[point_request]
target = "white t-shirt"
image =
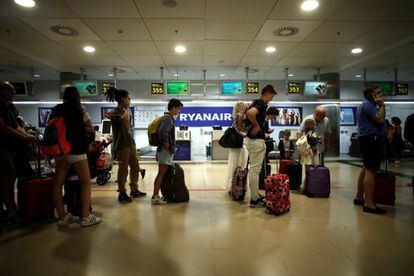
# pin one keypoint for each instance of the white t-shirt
(323, 128)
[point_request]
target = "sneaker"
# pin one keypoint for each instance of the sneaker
(374, 210)
(137, 193)
(67, 219)
(259, 203)
(358, 202)
(90, 220)
(123, 197)
(143, 171)
(157, 200)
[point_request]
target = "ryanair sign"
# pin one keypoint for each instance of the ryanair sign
(205, 116)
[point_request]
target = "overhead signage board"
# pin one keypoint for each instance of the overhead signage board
(231, 87)
(157, 88)
(105, 87)
(252, 87)
(401, 89)
(86, 88)
(317, 88)
(205, 116)
(294, 88)
(385, 86)
(178, 88)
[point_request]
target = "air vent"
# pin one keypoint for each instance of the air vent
(286, 31)
(64, 30)
(170, 3)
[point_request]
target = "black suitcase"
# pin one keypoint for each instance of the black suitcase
(294, 171)
(71, 196)
(173, 186)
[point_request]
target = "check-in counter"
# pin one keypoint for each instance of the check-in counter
(183, 140)
(217, 151)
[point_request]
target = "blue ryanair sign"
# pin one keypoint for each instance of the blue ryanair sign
(205, 116)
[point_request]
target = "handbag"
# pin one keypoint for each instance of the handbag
(231, 139)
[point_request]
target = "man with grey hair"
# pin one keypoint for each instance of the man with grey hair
(323, 128)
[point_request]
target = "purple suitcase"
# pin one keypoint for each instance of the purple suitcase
(318, 182)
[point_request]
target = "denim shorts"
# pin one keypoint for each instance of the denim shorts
(164, 157)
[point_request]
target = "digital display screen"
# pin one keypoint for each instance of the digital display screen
(316, 88)
(106, 86)
(252, 87)
(294, 88)
(401, 88)
(86, 88)
(19, 87)
(157, 88)
(385, 86)
(348, 116)
(232, 88)
(178, 88)
(288, 116)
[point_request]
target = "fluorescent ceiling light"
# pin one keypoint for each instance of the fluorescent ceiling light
(176, 75)
(356, 51)
(358, 76)
(89, 49)
(110, 75)
(270, 49)
(180, 49)
(36, 76)
(25, 3)
(290, 75)
(309, 5)
(222, 75)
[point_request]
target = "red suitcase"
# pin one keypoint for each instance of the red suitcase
(277, 194)
(384, 190)
(283, 165)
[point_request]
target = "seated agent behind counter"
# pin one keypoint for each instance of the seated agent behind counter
(255, 143)
(167, 147)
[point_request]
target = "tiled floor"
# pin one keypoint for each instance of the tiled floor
(212, 235)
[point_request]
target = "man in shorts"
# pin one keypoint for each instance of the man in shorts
(167, 147)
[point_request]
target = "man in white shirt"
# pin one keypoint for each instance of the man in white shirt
(323, 128)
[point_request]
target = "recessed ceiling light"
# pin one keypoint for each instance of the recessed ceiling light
(222, 75)
(176, 75)
(358, 76)
(356, 51)
(36, 76)
(290, 75)
(110, 75)
(180, 49)
(309, 5)
(25, 3)
(270, 49)
(89, 49)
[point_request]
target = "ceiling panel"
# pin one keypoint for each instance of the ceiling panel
(12, 29)
(227, 48)
(314, 49)
(43, 9)
(119, 29)
(305, 28)
(177, 61)
(133, 48)
(43, 26)
(184, 9)
(290, 10)
(345, 49)
(232, 29)
(39, 48)
(103, 8)
(194, 48)
(263, 61)
(239, 9)
(387, 32)
(76, 47)
(106, 61)
(172, 29)
(339, 31)
(282, 48)
(375, 10)
(65, 62)
(221, 61)
(301, 61)
(144, 61)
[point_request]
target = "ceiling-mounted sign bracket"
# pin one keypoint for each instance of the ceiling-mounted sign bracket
(82, 72)
(204, 82)
(247, 73)
(365, 75)
(161, 74)
(318, 74)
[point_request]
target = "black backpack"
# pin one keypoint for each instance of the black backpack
(173, 186)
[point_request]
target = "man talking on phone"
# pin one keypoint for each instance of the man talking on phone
(371, 118)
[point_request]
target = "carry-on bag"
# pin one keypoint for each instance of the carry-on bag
(283, 165)
(239, 184)
(277, 194)
(384, 190)
(318, 181)
(173, 186)
(294, 171)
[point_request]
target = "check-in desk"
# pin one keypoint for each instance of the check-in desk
(217, 151)
(183, 140)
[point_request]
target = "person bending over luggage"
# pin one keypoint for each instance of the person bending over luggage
(123, 146)
(255, 143)
(167, 147)
(286, 147)
(237, 156)
(72, 112)
(10, 141)
(371, 129)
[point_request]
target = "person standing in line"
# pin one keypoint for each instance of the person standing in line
(254, 142)
(371, 125)
(409, 135)
(72, 112)
(167, 147)
(124, 146)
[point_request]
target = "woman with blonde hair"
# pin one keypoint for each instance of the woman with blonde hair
(237, 156)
